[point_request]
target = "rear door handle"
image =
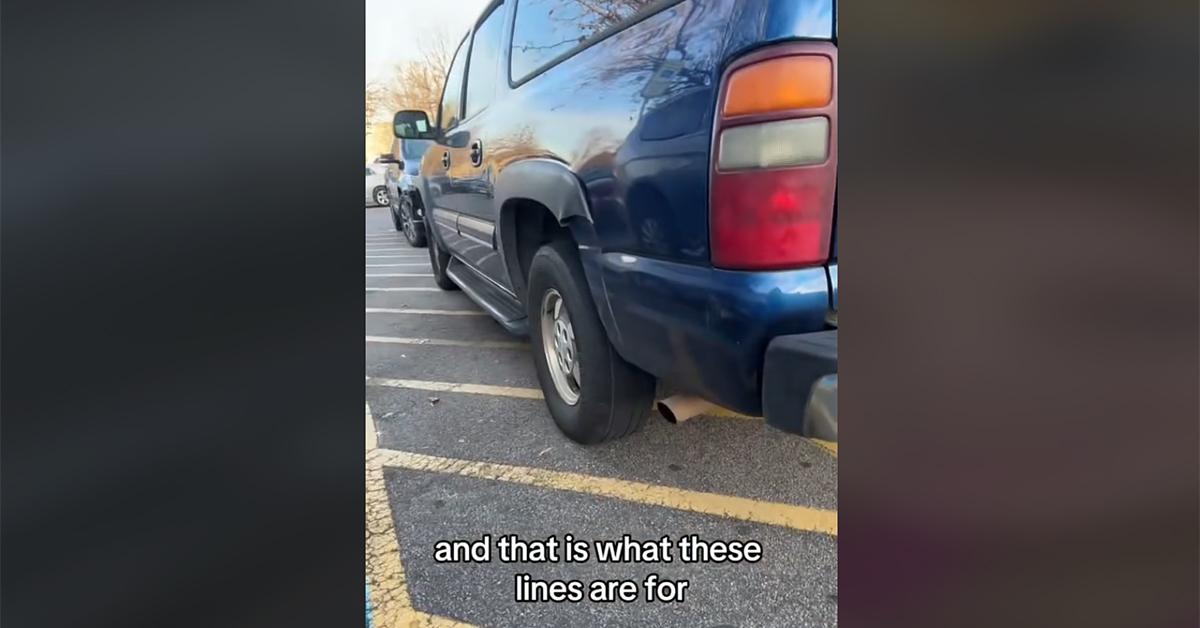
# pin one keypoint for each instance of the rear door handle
(446, 159)
(476, 152)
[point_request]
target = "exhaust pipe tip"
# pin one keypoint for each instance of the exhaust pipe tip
(679, 408)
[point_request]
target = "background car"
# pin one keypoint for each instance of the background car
(376, 184)
(406, 202)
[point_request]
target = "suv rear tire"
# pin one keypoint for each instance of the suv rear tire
(598, 396)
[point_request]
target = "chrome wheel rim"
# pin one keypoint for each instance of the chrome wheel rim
(381, 197)
(558, 342)
(406, 222)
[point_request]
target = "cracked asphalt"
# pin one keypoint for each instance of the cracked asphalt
(706, 471)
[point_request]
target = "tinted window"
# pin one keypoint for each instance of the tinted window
(481, 74)
(546, 29)
(452, 93)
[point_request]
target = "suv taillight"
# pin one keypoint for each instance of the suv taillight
(774, 166)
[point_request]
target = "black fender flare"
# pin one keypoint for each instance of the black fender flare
(550, 183)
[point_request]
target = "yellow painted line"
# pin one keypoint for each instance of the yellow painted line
(829, 446)
(389, 310)
(385, 573)
(730, 414)
(391, 604)
(400, 275)
(533, 393)
(471, 389)
(416, 619)
(801, 518)
(446, 342)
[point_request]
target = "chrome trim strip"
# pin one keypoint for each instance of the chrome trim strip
(482, 228)
(446, 218)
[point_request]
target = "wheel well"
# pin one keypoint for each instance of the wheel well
(529, 225)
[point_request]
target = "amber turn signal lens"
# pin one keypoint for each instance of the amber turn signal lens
(796, 82)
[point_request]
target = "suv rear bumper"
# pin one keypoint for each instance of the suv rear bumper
(702, 329)
(800, 384)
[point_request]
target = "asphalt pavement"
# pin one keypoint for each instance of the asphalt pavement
(460, 445)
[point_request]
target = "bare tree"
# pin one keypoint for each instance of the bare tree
(378, 100)
(412, 84)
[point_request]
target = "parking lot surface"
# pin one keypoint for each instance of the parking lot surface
(460, 445)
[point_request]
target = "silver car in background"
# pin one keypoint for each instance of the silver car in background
(377, 193)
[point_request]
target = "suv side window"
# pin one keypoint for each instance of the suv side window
(547, 30)
(481, 72)
(451, 109)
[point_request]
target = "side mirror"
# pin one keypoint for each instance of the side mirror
(412, 124)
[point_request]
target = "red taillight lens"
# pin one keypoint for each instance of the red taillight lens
(775, 160)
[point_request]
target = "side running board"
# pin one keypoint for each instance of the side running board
(500, 305)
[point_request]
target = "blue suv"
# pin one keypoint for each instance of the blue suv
(648, 189)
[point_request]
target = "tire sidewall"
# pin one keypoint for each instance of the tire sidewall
(438, 261)
(435, 249)
(588, 421)
(395, 219)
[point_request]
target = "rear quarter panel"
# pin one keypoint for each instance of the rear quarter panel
(632, 116)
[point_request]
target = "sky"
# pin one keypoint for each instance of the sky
(394, 25)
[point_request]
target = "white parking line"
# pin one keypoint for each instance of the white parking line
(405, 289)
(402, 275)
(396, 257)
(446, 342)
(397, 265)
(372, 437)
(388, 250)
(388, 310)
(474, 389)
